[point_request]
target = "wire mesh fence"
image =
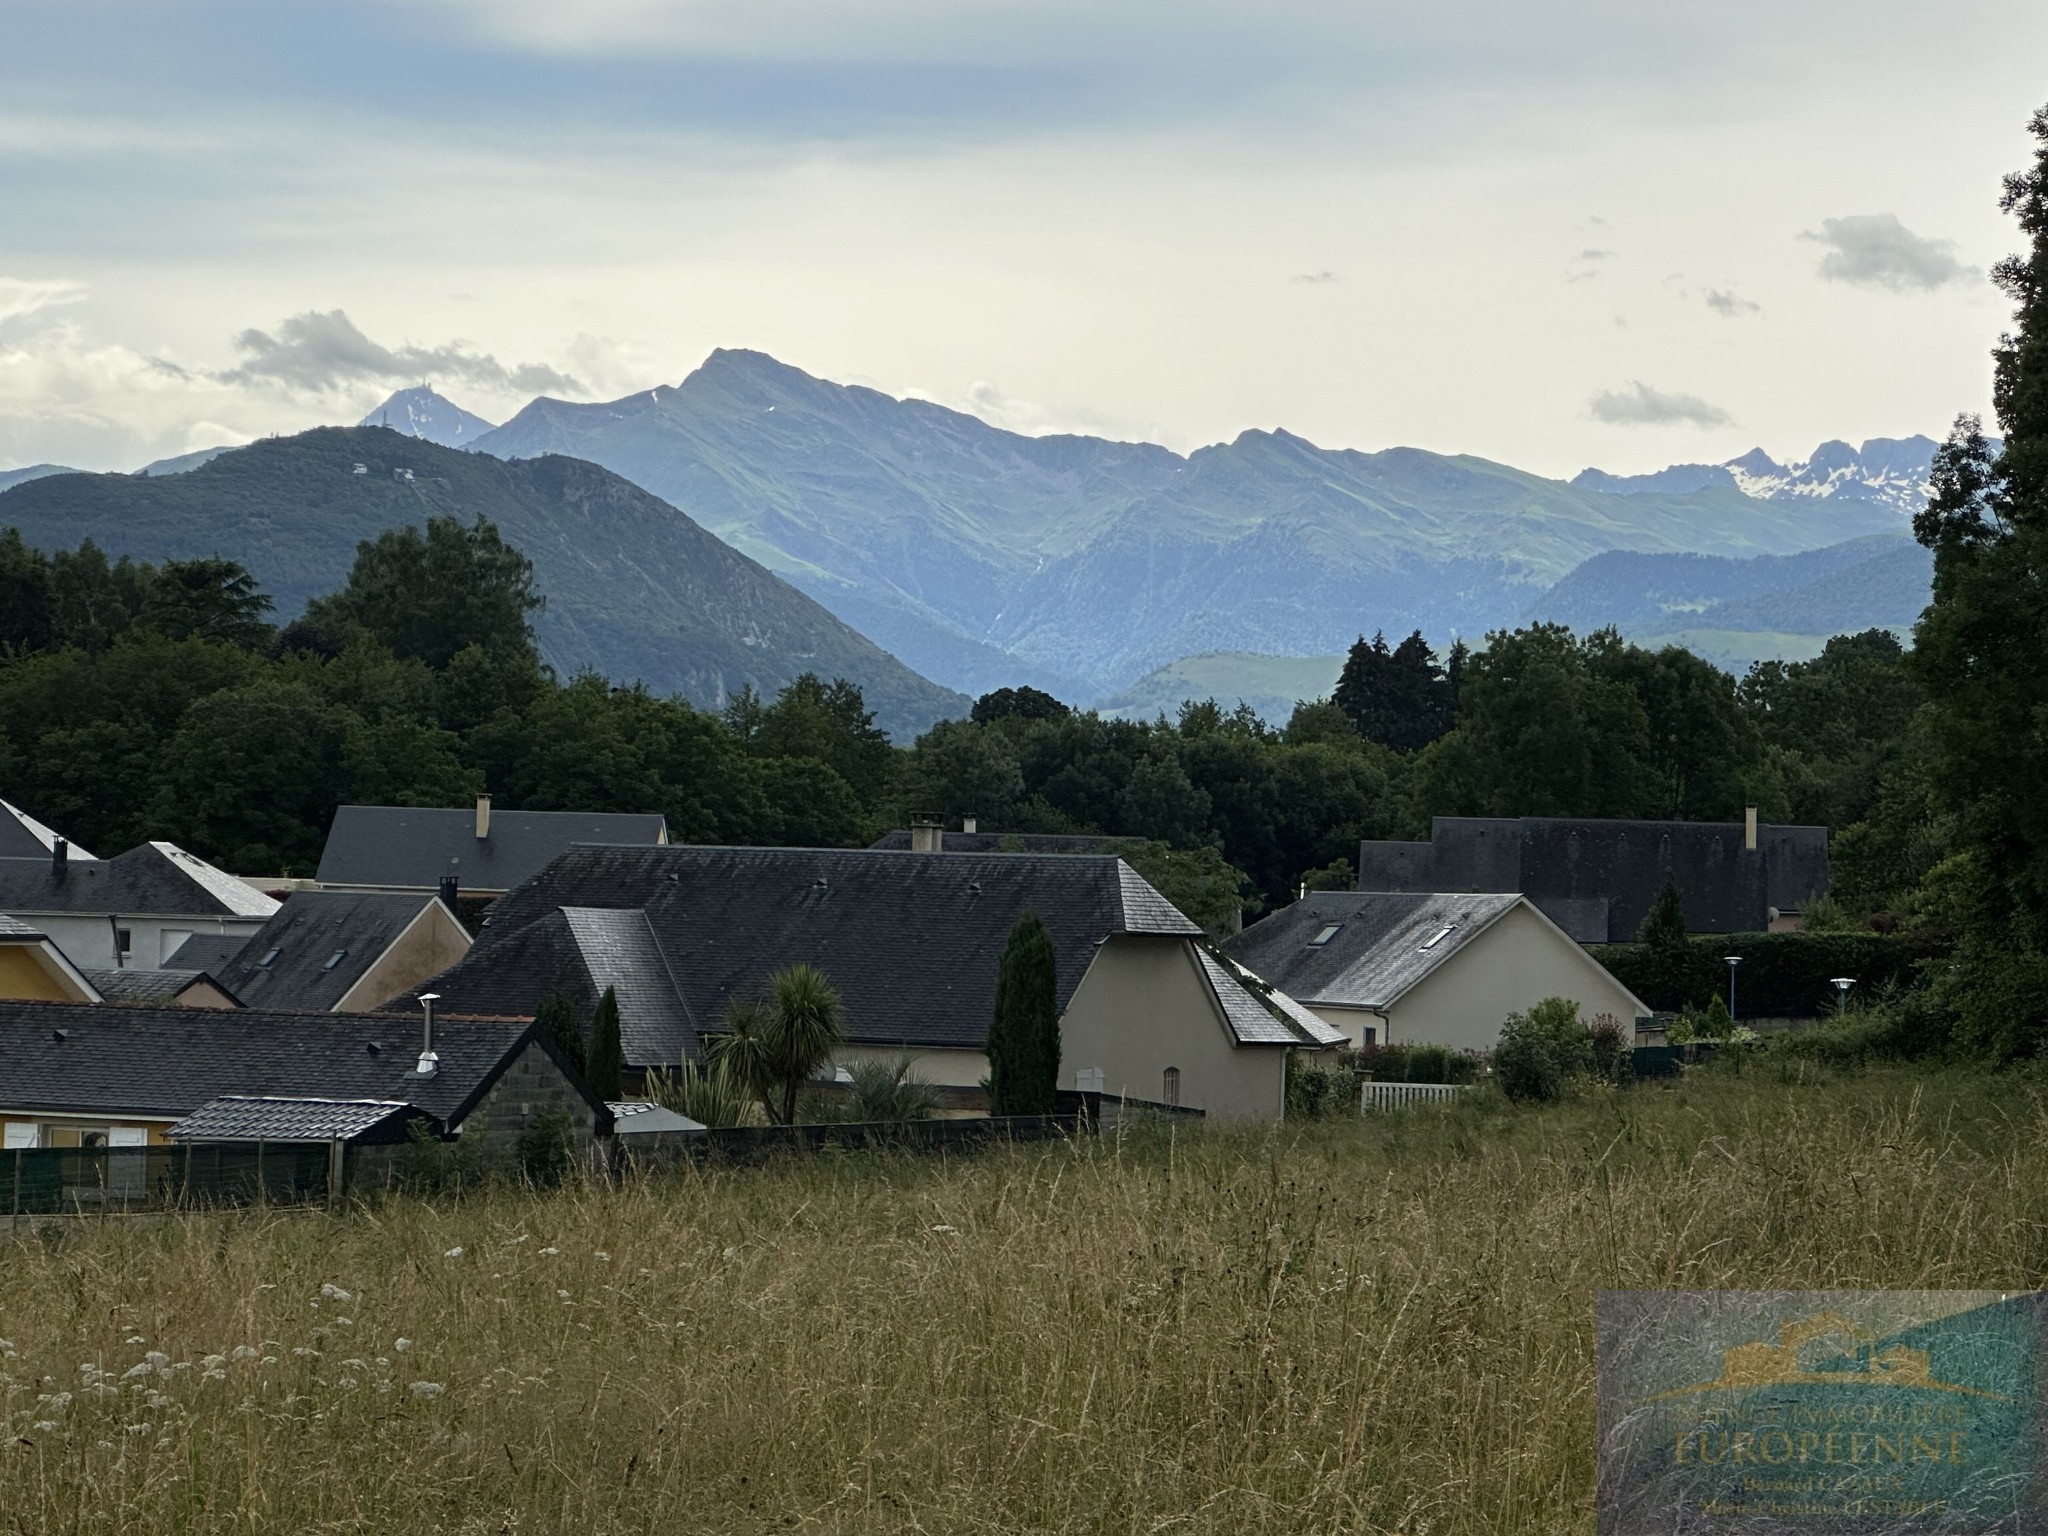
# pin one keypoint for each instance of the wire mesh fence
(63, 1181)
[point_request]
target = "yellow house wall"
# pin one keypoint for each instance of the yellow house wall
(65, 1130)
(946, 1069)
(1144, 1007)
(26, 977)
(431, 943)
(1509, 968)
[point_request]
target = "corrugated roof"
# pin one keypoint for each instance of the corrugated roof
(237, 1118)
(412, 848)
(318, 944)
(911, 941)
(100, 1059)
(1383, 944)
(154, 879)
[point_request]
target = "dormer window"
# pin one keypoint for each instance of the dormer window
(1324, 935)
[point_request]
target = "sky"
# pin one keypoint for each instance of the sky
(1582, 233)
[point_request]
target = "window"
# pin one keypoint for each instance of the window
(124, 940)
(335, 959)
(1439, 936)
(1169, 1089)
(92, 1138)
(20, 1135)
(1328, 933)
(270, 955)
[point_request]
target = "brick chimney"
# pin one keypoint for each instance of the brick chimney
(483, 815)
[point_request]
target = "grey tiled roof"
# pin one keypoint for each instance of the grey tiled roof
(898, 841)
(208, 952)
(236, 1118)
(155, 878)
(23, 837)
(619, 951)
(101, 1059)
(1259, 1015)
(307, 933)
(164, 986)
(14, 928)
(412, 848)
(911, 940)
(1385, 943)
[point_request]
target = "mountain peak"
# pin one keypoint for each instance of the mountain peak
(423, 413)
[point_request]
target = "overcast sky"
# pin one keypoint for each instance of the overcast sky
(1592, 232)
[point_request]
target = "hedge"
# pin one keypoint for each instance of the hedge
(1781, 975)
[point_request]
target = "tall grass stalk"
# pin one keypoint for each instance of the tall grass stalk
(1353, 1326)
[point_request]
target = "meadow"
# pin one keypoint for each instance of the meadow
(1343, 1326)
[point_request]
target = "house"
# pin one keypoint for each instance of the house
(33, 969)
(912, 943)
(335, 951)
(176, 988)
(486, 852)
(76, 1075)
(23, 837)
(1399, 968)
(1597, 879)
(133, 911)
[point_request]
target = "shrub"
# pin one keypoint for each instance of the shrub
(1414, 1064)
(1782, 973)
(544, 1147)
(1315, 1091)
(1542, 1051)
(1613, 1045)
(892, 1094)
(712, 1096)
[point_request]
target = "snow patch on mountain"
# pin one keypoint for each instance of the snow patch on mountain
(1886, 471)
(421, 412)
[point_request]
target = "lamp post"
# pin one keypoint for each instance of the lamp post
(1842, 986)
(1733, 961)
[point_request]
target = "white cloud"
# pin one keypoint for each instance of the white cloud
(20, 297)
(1723, 301)
(1639, 405)
(325, 353)
(1875, 250)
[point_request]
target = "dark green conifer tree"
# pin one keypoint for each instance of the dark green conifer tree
(1024, 1037)
(607, 1055)
(555, 1021)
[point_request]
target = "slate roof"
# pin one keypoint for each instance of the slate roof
(23, 837)
(910, 940)
(152, 879)
(81, 1058)
(306, 934)
(409, 848)
(640, 1117)
(235, 1117)
(136, 986)
(1259, 1015)
(208, 952)
(1386, 942)
(898, 841)
(1597, 879)
(15, 931)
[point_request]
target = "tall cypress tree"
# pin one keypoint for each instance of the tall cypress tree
(1024, 1036)
(607, 1054)
(1978, 649)
(1401, 697)
(556, 1022)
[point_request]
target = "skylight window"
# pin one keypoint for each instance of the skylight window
(1439, 936)
(269, 956)
(1327, 933)
(335, 959)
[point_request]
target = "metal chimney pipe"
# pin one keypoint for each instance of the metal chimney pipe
(429, 1063)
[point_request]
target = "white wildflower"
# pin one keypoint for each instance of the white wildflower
(269, 1360)
(344, 1322)
(943, 1227)
(603, 1257)
(347, 1383)
(137, 1338)
(57, 1401)
(243, 1352)
(381, 1361)
(303, 1352)
(182, 1365)
(157, 1358)
(401, 1345)
(563, 1294)
(47, 1426)
(550, 1252)
(141, 1429)
(213, 1362)
(354, 1365)
(383, 1386)
(134, 1371)
(427, 1390)
(333, 1292)
(453, 1253)
(730, 1253)
(215, 1375)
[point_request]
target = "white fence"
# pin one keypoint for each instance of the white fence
(1385, 1096)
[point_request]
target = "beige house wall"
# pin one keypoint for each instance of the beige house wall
(1144, 1007)
(1361, 1026)
(942, 1068)
(1516, 963)
(431, 943)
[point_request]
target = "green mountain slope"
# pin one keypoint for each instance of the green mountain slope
(634, 589)
(985, 557)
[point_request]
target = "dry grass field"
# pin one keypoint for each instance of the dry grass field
(1342, 1327)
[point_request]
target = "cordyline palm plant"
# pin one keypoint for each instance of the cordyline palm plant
(710, 1095)
(774, 1046)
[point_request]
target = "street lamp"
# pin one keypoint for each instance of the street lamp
(1733, 961)
(1842, 986)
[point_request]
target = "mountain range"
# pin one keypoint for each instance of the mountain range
(1886, 471)
(983, 557)
(634, 589)
(420, 412)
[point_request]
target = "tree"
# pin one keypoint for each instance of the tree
(1400, 698)
(1024, 1037)
(431, 594)
(1663, 925)
(555, 1021)
(607, 1054)
(777, 1045)
(1017, 704)
(1198, 881)
(1979, 653)
(1542, 1051)
(211, 599)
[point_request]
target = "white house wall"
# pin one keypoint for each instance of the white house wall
(1516, 963)
(87, 938)
(1144, 1007)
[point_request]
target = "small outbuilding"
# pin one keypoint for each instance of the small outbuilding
(1401, 967)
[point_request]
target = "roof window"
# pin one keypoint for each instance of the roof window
(335, 959)
(1324, 935)
(1439, 936)
(270, 955)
